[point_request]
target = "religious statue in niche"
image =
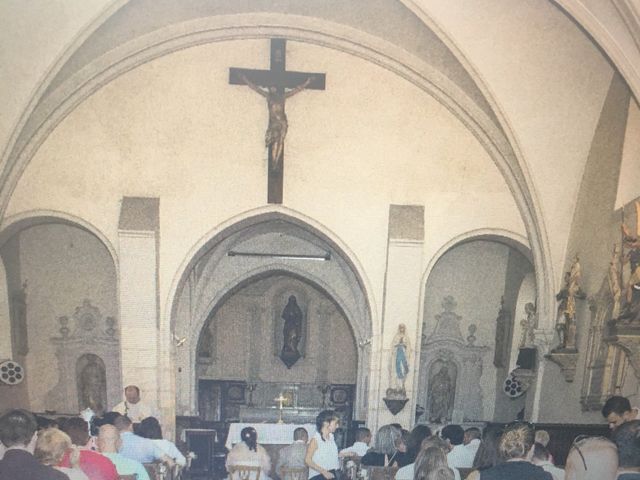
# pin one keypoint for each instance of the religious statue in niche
(291, 332)
(278, 124)
(400, 356)
(566, 319)
(92, 383)
(503, 336)
(441, 391)
(528, 324)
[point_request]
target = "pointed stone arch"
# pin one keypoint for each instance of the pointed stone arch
(211, 276)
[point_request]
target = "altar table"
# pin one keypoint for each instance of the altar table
(268, 433)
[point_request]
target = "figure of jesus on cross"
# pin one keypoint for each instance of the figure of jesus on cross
(276, 85)
(278, 125)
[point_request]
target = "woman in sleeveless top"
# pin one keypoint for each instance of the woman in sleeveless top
(322, 452)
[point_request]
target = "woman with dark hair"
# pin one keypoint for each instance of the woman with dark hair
(248, 452)
(417, 435)
(488, 454)
(515, 447)
(150, 428)
(322, 451)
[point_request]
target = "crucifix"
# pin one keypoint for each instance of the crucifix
(280, 399)
(276, 85)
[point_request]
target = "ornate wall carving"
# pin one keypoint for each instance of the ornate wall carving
(88, 352)
(447, 348)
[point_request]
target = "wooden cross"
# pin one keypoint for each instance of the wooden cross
(276, 85)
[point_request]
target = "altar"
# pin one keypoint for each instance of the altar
(271, 414)
(268, 433)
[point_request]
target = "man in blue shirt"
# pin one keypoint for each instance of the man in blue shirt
(108, 443)
(137, 448)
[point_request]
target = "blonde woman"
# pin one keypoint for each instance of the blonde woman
(51, 446)
(431, 464)
(516, 448)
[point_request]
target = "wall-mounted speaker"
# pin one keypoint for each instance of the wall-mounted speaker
(11, 372)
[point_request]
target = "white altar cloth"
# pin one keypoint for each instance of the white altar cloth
(268, 433)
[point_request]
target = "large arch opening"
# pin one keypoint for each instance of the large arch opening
(474, 304)
(231, 308)
(62, 297)
(276, 333)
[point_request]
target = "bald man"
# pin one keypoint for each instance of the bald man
(592, 458)
(108, 444)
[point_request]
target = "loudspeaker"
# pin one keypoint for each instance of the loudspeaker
(527, 358)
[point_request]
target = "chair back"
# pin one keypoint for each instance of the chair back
(350, 466)
(244, 472)
(157, 471)
(294, 473)
(464, 472)
(381, 473)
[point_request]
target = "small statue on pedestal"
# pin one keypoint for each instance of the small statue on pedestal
(396, 394)
(566, 320)
(528, 325)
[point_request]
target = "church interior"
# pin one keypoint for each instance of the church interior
(443, 227)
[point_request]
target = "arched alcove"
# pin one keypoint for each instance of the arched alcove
(472, 293)
(247, 343)
(256, 251)
(62, 290)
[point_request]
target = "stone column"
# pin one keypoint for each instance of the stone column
(401, 303)
(139, 333)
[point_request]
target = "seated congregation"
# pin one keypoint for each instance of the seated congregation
(513, 451)
(35, 447)
(108, 449)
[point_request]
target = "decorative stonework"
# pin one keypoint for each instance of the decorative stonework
(88, 352)
(606, 363)
(567, 362)
(628, 338)
(447, 358)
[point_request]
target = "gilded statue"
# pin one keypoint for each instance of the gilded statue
(613, 277)
(566, 320)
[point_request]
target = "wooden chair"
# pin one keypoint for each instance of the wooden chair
(350, 466)
(157, 471)
(381, 473)
(464, 472)
(294, 473)
(243, 472)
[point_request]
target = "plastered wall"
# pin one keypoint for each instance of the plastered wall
(62, 266)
